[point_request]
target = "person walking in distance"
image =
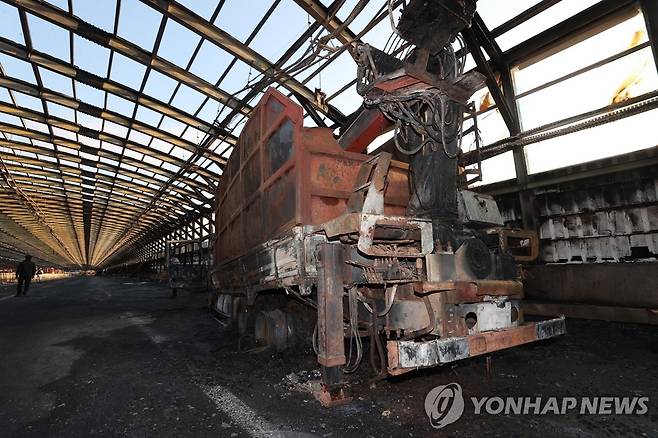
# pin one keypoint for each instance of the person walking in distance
(25, 271)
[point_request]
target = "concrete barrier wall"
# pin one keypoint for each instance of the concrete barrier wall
(607, 284)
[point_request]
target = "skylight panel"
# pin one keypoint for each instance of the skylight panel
(99, 13)
(122, 176)
(217, 144)
(145, 173)
(603, 141)
(239, 18)
(170, 167)
(62, 4)
(126, 166)
(90, 95)
(120, 105)
(139, 181)
(11, 24)
(70, 164)
(494, 15)
(210, 71)
(132, 154)
(161, 145)
(17, 68)
(88, 141)
(90, 122)
(153, 161)
(202, 162)
(364, 17)
(160, 86)
(47, 158)
(115, 129)
(210, 110)
(181, 153)
(341, 71)
(106, 173)
(65, 150)
(172, 126)
(49, 38)
(187, 99)
(8, 118)
(148, 116)
(226, 153)
(90, 56)
(18, 138)
(63, 112)
(625, 35)
(43, 144)
(55, 81)
(288, 22)
(4, 95)
(109, 161)
(626, 77)
(214, 168)
(348, 101)
(36, 126)
(139, 23)
(237, 78)
(27, 101)
(111, 147)
(194, 135)
(204, 8)
(89, 157)
(25, 154)
(139, 137)
(127, 72)
(177, 44)
(548, 18)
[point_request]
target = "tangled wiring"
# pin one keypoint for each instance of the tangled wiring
(422, 117)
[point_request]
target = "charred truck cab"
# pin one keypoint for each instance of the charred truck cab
(396, 253)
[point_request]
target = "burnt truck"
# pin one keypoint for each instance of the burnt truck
(392, 260)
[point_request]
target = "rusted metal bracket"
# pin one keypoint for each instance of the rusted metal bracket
(507, 235)
(368, 195)
(331, 350)
(458, 292)
(331, 346)
(365, 216)
(405, 356)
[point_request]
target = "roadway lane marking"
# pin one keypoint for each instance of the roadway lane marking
(6, 298)
(240, 413)
(227, 402)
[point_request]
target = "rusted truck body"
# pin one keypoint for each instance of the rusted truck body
(300, 217)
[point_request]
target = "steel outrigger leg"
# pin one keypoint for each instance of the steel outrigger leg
(331, 345)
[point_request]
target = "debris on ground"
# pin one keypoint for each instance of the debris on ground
(305, 381)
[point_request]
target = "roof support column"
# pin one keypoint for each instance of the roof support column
(650, 11)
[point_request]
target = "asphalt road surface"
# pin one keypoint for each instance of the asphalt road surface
(116, 357)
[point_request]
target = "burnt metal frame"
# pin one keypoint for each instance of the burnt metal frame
(137, 201)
